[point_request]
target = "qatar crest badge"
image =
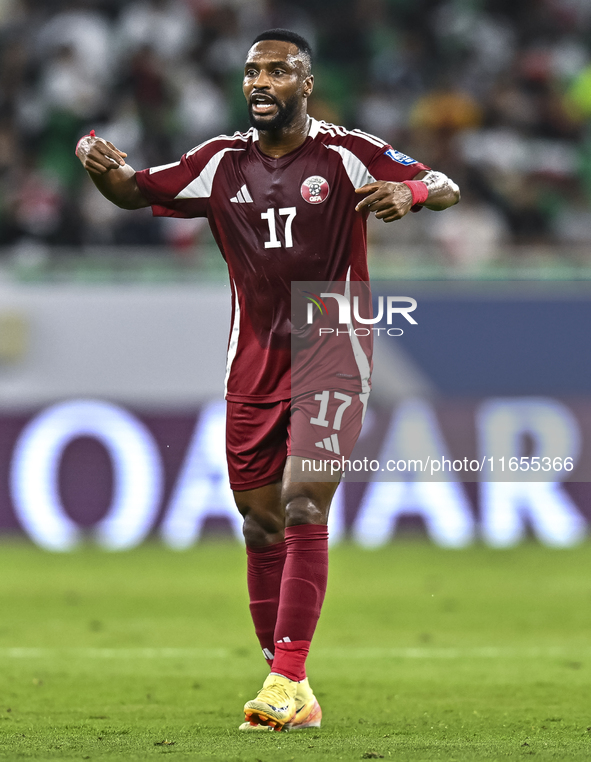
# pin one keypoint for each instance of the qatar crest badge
(315, 189)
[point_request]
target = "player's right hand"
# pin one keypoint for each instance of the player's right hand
(98, 155)
(388, 200)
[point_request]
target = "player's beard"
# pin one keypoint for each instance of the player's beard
(286, 113)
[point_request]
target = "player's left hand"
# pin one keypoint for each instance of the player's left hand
(390, 201)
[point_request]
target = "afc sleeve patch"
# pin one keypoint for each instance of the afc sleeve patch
(401, 158)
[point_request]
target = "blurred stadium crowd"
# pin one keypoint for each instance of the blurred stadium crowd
(496, 93)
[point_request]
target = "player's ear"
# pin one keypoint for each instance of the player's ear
(308, 86)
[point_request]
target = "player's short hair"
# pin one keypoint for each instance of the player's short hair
(286, 35)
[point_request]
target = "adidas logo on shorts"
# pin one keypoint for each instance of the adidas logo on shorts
(330, 443)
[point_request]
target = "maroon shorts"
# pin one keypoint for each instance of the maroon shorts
(319, 426)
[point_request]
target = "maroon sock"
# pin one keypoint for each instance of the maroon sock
(264, 570)
(303, 586)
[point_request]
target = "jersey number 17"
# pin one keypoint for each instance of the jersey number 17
(289, 213)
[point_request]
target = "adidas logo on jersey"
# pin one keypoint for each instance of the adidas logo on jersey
(242, 197)
(330, 443)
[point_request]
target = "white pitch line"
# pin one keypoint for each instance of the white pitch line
(324, 653)
(115, 653)
(486, 652)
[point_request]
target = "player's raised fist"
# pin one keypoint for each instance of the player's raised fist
(388, 200)
(98, 155)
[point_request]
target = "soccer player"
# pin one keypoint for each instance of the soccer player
(287, 201)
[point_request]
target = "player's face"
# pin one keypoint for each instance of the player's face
(275, 84)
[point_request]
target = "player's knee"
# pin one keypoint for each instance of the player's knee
(254, 534)
(259, 524)
(305, 510)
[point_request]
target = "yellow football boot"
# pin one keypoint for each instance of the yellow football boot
(275, 703)
(308, 712)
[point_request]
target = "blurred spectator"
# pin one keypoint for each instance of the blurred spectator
(471, 234)
(384, 114)
(37, 205)
(147, 82)
(446, 110)
(202, 107)
(66, 86)
(572, 221)
(579, 94)
(86, 33)
(166, 26)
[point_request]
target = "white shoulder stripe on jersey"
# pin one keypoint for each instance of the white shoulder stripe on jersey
(244, 136)
(201, 186)
(327, 126)
(370, 138)
(233, 345)
(328, 130)
(163, 166)
(356, 170)
(333, 129)
(358, 353)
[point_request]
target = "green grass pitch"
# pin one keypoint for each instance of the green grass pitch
(421, 654)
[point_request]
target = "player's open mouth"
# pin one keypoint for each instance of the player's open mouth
(262, 104)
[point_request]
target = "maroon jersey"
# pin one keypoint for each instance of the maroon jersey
(277, 221)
